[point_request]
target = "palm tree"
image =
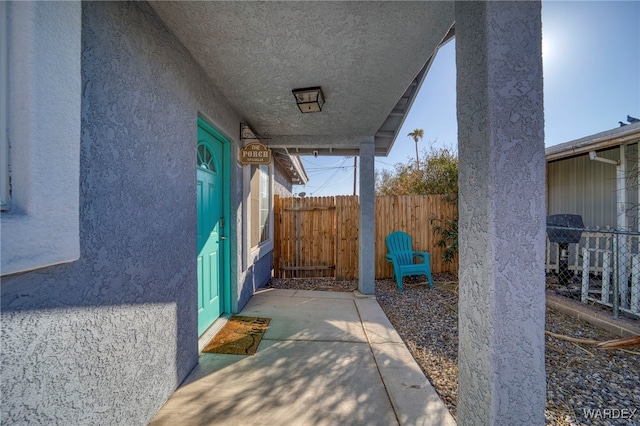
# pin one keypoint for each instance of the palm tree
(417, 134)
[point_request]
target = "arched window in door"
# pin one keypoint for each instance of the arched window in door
(206, 159)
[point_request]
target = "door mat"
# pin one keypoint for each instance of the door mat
(239, 336)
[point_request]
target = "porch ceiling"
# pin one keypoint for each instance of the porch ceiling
(368, 57)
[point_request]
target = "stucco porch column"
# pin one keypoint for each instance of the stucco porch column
(367, 231)
(502, 213)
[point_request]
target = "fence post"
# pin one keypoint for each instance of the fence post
(616, 290)
(606, 276)
(635, 285)
(623, 278)
(585, 274)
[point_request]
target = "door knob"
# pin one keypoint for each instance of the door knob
(223, 237)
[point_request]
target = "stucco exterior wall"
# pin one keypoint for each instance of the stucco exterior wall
(502, 214)
(106, 339)
(282, 183)
(41, 110)
(258, 271)
(255, 277)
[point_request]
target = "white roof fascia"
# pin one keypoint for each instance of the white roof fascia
(296, 162)
(610, 138)
(417, 85)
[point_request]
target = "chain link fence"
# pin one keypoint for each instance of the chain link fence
(595, 265)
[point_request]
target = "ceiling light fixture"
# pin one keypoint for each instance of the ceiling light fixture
(310, 99)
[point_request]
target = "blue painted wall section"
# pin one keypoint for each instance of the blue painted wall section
(107, 339)
(283, 185)
(256, 277)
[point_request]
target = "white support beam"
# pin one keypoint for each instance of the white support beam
(621, 195)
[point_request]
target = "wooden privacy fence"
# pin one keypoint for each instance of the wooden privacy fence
(318, 236)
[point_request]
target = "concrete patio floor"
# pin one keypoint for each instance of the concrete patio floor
(327, 358)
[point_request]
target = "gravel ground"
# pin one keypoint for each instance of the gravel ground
(579, 377)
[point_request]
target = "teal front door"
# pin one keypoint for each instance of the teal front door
(210, 223)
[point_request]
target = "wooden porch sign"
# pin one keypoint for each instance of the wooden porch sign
(255, 153)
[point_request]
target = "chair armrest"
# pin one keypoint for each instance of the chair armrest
(393, 259)
(424, 255)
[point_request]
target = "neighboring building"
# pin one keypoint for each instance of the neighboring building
(597, 177)
(129, 225)
(604, 193)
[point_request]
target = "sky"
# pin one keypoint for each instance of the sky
(591, 65)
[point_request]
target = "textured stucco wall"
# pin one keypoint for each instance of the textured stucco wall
(106, 339)
(282, 184)
(256, 276)
(258, 273)
(502, 213)
(43, 121)
(259, 265)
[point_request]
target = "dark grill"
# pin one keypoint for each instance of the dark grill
(564, 229)
(564, 236)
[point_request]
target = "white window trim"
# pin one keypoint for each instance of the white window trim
(254, 254)
(44, 107)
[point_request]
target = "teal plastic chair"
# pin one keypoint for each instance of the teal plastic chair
(401, 255)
